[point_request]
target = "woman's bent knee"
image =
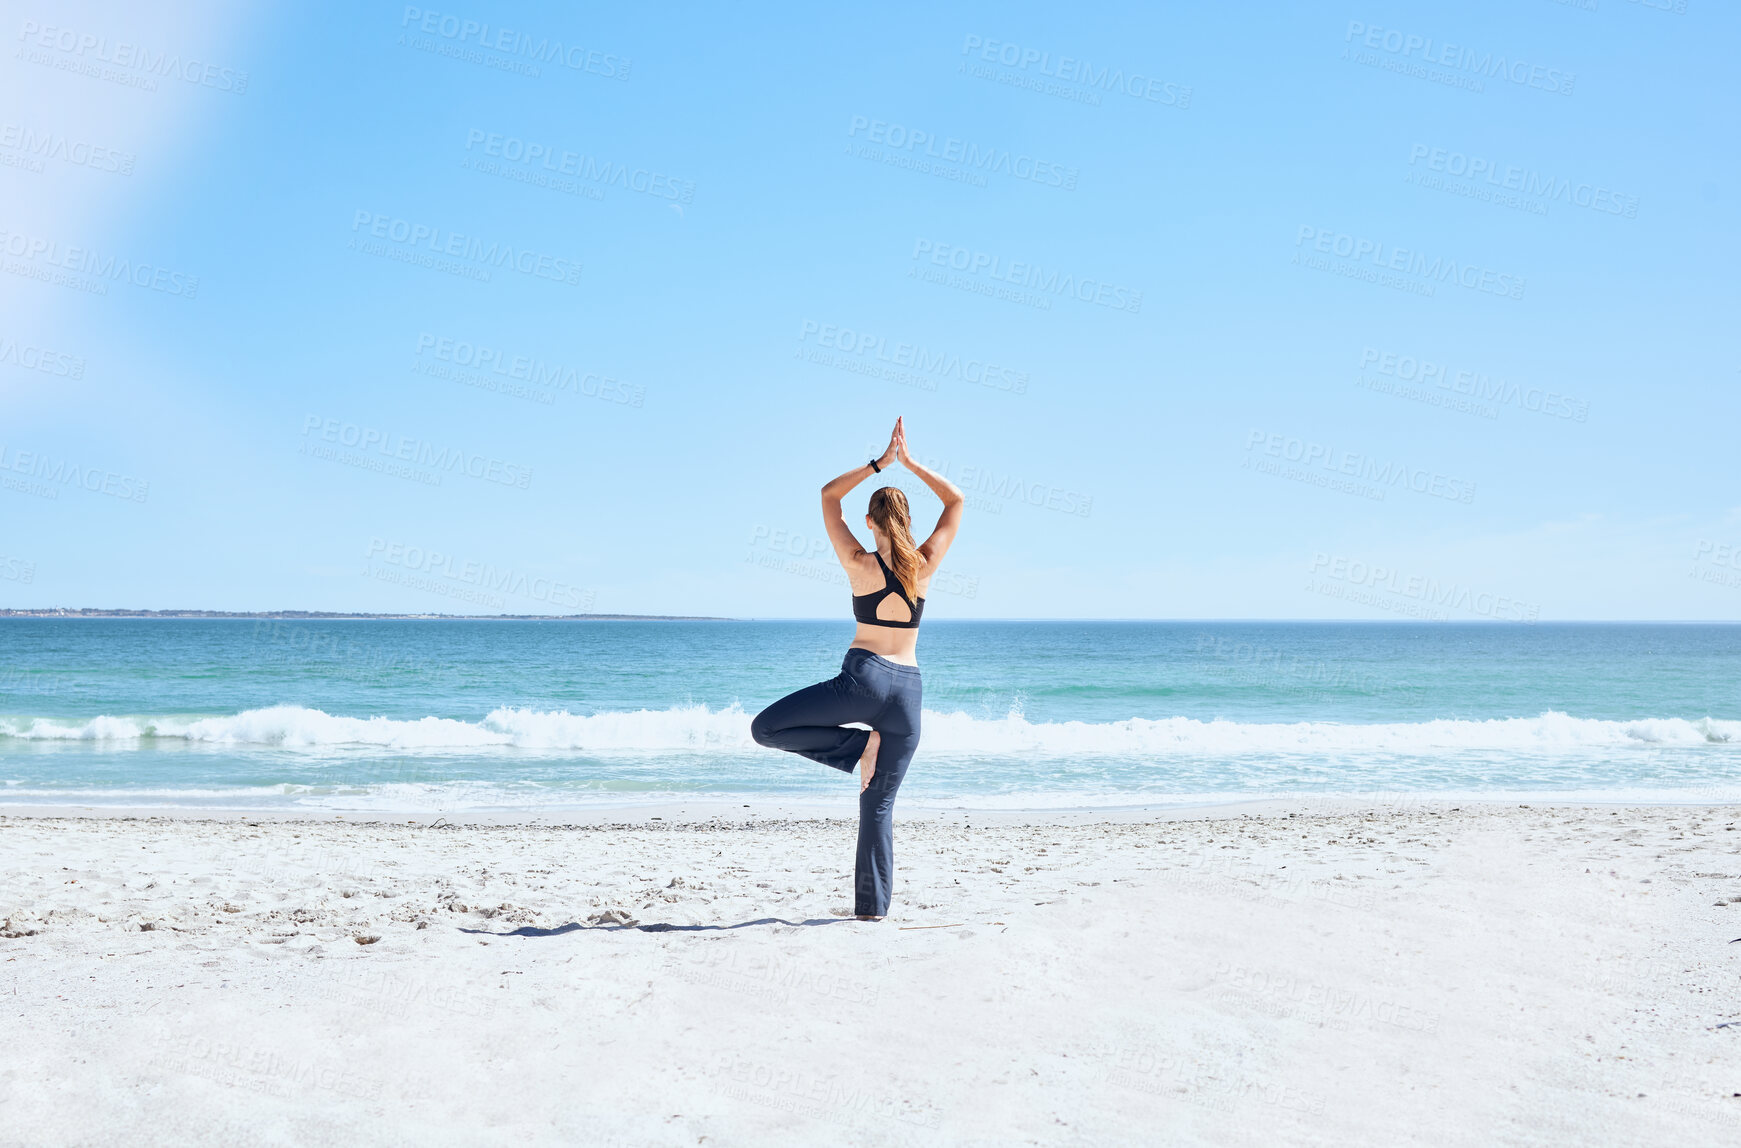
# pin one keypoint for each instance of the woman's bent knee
(762, 730)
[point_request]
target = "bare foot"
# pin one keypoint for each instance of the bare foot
(867, 761)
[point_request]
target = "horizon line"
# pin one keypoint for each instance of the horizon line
(191, 614)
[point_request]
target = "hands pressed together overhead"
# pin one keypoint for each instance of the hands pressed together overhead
(897, 451)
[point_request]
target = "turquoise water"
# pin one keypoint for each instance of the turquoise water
(449, 715)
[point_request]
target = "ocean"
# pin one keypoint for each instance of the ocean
(448, 715)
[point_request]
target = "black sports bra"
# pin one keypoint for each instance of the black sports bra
(864, 606)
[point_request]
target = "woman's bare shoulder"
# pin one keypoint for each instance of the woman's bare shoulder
(863, 572)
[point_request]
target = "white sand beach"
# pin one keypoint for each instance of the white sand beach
(1289, 973)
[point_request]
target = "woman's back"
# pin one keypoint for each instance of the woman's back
(887, 616)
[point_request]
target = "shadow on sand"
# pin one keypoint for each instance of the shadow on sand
(656, 927)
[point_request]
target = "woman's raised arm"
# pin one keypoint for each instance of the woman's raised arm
(846, 545)
(934, 547)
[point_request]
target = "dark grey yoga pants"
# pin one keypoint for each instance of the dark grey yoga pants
(884, 695)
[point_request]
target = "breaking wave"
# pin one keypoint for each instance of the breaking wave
(698, 728)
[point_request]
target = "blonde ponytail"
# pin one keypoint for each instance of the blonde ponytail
(888, 509)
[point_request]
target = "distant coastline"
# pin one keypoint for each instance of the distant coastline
(324, 615)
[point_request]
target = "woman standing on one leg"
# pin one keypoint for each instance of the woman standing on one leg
(878, 683)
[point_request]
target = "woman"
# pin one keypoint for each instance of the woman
(878, 683)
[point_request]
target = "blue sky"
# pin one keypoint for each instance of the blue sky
(1340, 311)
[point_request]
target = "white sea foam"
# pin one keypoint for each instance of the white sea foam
(697, 728)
